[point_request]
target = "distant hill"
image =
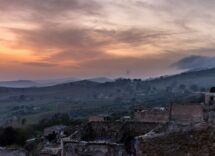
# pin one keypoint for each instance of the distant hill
(18, 84)
(52, 82)
(35, 83)
(196, 62)
(86, 97)
(202, 78)
(47, 83)
(101, 79)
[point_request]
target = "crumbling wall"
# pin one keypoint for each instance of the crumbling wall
(198, 141)
(152, 116)
(187, 113)
(209, 108)
(118, 138)
(73, 148)
(115, 131)
(12, 152)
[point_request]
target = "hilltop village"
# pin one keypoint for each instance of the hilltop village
(180, 129)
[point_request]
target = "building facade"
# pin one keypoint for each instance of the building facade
(187, 113)
(152, 116)
(209, 107)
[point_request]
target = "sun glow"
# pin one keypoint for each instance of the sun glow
(16, 54)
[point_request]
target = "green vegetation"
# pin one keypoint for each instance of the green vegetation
(10, 136)
(89, 134)
(23, 107)
(57, 119)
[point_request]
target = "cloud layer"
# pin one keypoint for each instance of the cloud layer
(102, 38)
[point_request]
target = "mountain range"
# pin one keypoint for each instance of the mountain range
(46, 83)
(196, 62)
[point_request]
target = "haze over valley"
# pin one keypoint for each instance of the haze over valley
(85, 97)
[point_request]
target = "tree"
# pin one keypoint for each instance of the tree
(212, 90)
(11, 136)
(194, 87)
(169, 89)
(52, 137)
(203, 90)
(182, 87)
(89, 134)
(23, 122)
(8, 136)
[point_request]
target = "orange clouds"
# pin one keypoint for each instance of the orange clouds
(93, 37)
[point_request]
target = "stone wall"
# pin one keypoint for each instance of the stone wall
(115, 131)
(210, 98)
(209, 108)
(197, 141)
(186, 113)
(96, 118)
(75, 148)
(155, 116)
(106, 138)
(12, 152)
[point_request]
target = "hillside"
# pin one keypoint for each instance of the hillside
(196, 62)
(83, 98)
(47, 83)
(18, 84)
(195, 141)
(203, 78)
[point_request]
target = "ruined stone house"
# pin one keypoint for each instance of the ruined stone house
(187, 113)
(93, 148)
(209, 107)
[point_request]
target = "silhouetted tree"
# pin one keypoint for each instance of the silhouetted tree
(52, 137)
(11, 136)
(23, 122)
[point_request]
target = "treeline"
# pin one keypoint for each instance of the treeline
(10, 136)
(57, 119)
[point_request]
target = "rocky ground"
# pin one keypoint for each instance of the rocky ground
(198, 140)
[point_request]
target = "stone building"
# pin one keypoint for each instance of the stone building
(109, 139)
(155, 115)
(209, 106)
(93, 148)
(197, 140)
(187, 113)
(99, 118)
(57, 129)
(179, 113)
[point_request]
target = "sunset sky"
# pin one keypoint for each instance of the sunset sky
(47, 39)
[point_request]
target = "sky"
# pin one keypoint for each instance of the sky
(48, 39)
